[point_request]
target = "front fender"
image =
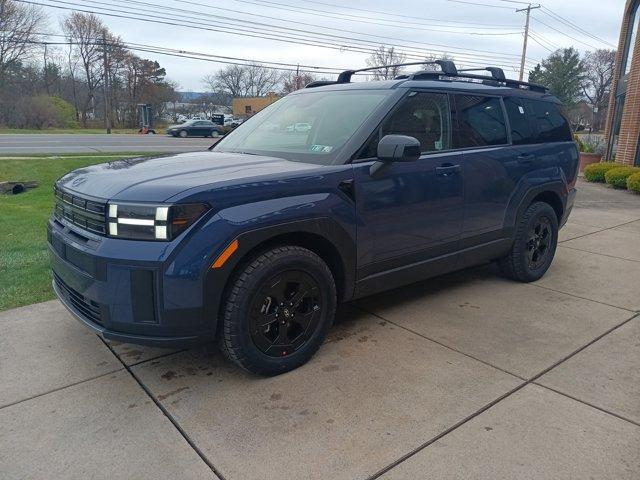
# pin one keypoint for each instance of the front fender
(328, 215)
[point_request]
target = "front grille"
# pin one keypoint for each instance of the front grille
(83, 212)
(87, 308)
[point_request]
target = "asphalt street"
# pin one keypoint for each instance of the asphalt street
(81, 143)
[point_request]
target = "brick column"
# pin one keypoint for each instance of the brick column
(630, 126)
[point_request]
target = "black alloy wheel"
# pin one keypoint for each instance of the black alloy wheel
(285, 313)
(534, 244)
(278, 307)
(538, 246)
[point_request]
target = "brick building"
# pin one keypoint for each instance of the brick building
(623, 120)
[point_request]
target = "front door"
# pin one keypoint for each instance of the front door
(409, 213)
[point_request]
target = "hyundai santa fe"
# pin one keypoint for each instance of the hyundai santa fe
(253, 243)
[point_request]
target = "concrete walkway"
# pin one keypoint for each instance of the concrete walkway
(466, 376)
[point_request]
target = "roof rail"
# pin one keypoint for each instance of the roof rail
(494, 79)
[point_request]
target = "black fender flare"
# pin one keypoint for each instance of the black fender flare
(556, 187)
(216, 279)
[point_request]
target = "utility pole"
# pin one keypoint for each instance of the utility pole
(107, 98)
(298, 77)
(526, 36)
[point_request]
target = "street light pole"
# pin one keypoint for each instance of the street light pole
(526, 36)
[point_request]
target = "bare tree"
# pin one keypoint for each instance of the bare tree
(433, 58)
(253, 80)
(260, 80)
(20, 29)
(229, 79)
(292, 81)
(599, 67)
(85, 32)
(385, 56)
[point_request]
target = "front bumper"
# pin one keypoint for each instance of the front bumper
(124, 299)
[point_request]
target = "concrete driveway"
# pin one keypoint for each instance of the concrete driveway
(91, 143)
(466, 376)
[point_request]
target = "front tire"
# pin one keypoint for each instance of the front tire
(183, 134)
(534, 246)
(279, 307)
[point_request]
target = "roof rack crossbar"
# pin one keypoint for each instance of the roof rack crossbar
(447, 66)
(447, 69)
(496, 73)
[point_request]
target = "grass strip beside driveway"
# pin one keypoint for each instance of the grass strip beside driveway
(25, 276)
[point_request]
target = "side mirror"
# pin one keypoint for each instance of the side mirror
(396, 148)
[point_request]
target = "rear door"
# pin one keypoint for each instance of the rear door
(492, 166)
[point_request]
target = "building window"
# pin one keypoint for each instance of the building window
(634, 19)
(247, 109)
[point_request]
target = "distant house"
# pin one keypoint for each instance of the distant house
(246, 106)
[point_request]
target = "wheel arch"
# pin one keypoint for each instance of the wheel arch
(323, 236)
(553, 193)
(552, 198)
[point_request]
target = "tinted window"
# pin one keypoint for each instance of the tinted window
(480, 121)
(520, 116)
(551, 124)
(424, 116)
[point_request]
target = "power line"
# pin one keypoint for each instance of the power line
(270, 35)
(493, 54)
(552, 14)
(563, 33)
(480, 4)
(352, 17)
(540, 42)
(380, 12)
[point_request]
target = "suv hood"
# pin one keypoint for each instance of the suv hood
(159, 178)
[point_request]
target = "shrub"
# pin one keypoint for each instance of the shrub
(595, 172)
(633, 182)
(617, 177)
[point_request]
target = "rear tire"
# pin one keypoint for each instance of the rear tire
(280, 305)
(534, 246)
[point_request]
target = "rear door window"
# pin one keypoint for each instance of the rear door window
(479, 121)
(551, 124)
(521, 116)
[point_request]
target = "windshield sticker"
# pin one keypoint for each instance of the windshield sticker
(321, 148)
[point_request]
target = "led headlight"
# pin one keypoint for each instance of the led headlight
(151, 222)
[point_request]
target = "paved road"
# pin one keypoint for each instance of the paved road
(466, 376)
(81, 143)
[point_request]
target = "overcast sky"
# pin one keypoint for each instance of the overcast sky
(468, 32)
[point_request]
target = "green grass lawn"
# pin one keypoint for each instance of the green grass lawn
(24, 264)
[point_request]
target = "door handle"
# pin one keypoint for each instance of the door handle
(526, 158)
(448, 169)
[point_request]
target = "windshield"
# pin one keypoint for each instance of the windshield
(310, 127)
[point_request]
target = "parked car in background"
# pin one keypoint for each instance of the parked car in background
(195, 128)
(255, 242)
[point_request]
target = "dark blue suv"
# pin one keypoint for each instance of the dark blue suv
(334, 192)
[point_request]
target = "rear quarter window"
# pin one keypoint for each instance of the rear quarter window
(551, 124)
